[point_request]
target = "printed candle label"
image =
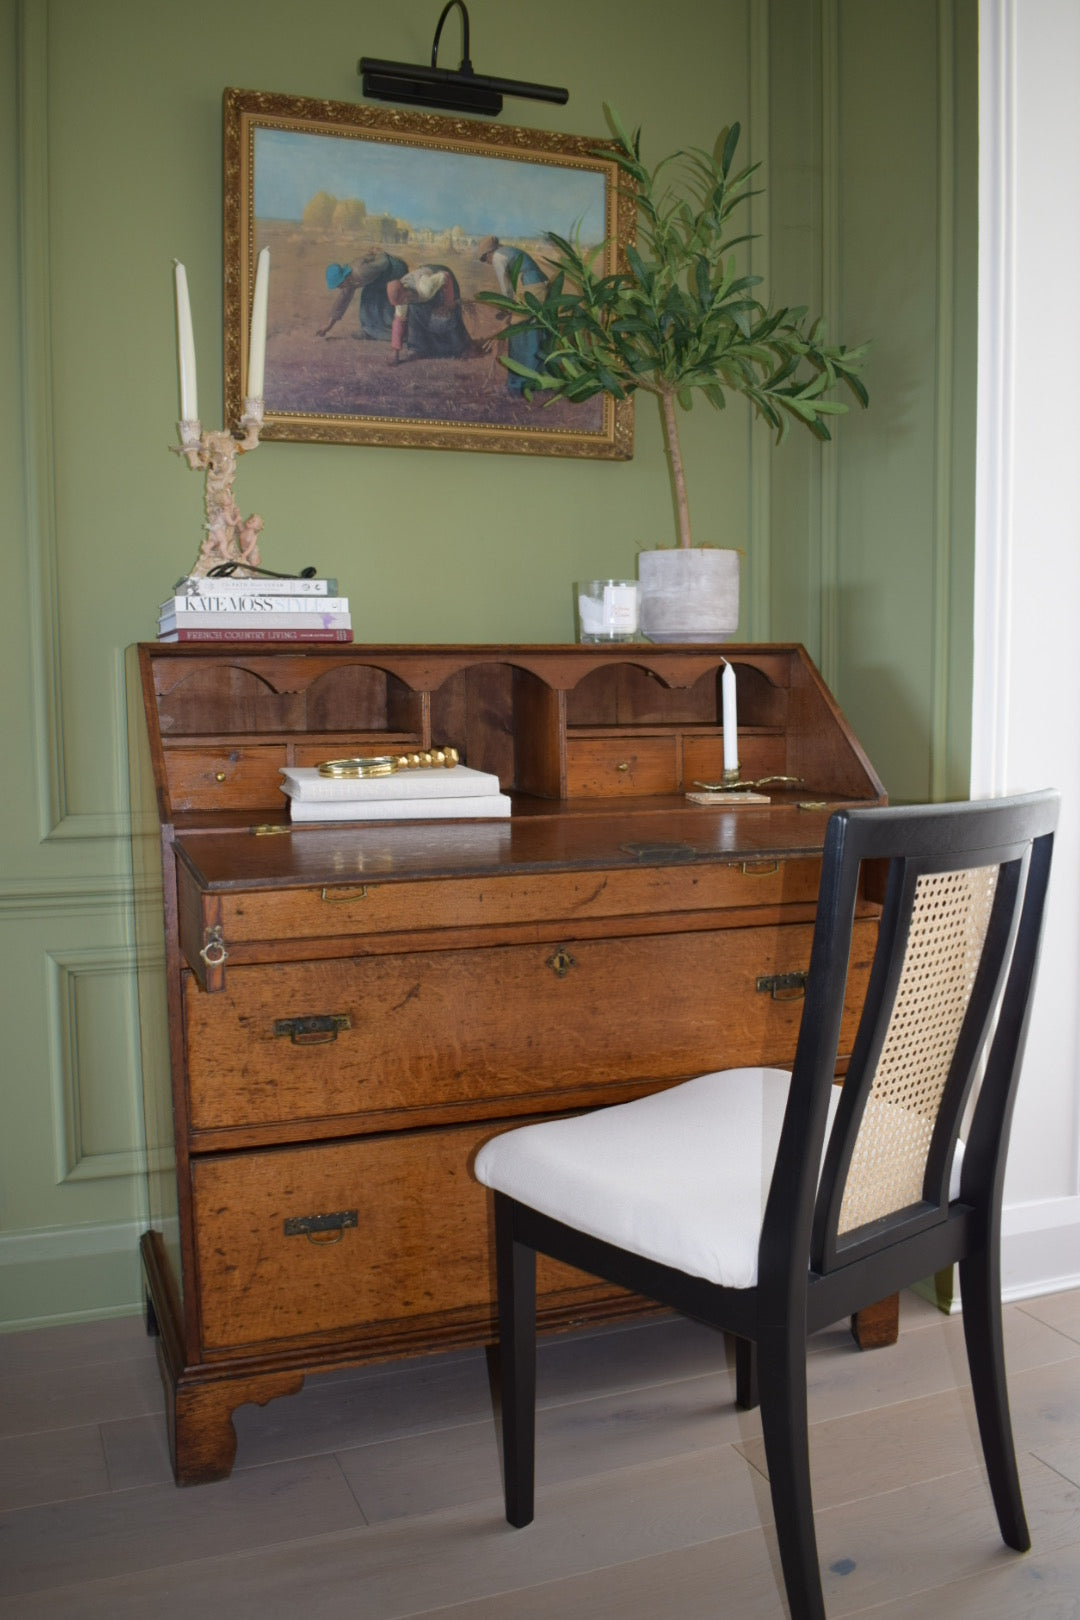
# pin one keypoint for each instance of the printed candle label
(608, 608)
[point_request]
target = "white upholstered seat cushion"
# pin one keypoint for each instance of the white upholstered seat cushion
(680, 1177)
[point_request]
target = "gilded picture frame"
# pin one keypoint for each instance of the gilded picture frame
(352, 200)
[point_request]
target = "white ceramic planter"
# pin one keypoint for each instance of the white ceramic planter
(689, 595)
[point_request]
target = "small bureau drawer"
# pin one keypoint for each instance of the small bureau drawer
(606, 767)
(412, 1037)
(759, 755)
(240, 778)
(302, 1241)
(632, 764)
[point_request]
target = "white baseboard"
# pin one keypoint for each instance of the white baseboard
(1040, 1248)
(1040, 1254)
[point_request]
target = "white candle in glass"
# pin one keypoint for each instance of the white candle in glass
(257, 344)
(185, 345)
(729, 719)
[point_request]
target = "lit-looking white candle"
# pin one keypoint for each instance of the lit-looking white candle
(185, 346)
(257, 345)
(729, 719)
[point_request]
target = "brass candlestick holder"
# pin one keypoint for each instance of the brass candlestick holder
(229, 537)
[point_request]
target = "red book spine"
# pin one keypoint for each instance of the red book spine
(268, 634)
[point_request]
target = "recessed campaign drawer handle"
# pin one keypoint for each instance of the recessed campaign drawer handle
(759, 868)
(783, 986)
(321, 1228)
(315, 1030)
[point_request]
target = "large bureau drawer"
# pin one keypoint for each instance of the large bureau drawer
(426, 1036)
(346, 1236)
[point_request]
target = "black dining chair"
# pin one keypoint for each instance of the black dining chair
(770, 1204)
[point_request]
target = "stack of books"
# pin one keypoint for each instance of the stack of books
(229, 609)
(458, 794)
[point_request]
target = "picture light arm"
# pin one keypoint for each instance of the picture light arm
(459, 90)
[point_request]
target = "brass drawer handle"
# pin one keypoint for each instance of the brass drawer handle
(561, 962)
(783, 986)
(213, 952)
(341, 891)
(759, 868)
(317, 1029)
(321, 1228)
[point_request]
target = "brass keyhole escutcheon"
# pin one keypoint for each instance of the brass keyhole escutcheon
(561, 962)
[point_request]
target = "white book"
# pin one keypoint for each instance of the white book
(246, 621)
(250, 602)
(480, 807)
(303, 783)
(215, 585)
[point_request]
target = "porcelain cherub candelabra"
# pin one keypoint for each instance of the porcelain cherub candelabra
(229, 537)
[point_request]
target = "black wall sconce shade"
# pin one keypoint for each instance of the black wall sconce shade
(459, 90)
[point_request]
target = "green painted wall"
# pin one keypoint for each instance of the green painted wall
(873, 192)
(110, 166)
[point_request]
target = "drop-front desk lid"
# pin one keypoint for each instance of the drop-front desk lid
(538, 837)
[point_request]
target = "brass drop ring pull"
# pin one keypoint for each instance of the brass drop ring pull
(326, 1238)
(561, 962)
(213, 952)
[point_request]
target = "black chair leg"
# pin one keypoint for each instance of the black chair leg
(781, 1366)
(746, 1384)
(516, 1275)
(980, 1298)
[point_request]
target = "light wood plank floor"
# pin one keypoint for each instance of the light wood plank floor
(376, 1493)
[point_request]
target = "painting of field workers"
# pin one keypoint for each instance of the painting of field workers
(380, 244)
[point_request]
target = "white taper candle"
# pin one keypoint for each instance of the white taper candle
(185, 347)
(257, 344)
(730, 719)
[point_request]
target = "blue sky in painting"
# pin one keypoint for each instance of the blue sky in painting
(428, 188)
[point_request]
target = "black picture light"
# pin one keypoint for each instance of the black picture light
(459, 90)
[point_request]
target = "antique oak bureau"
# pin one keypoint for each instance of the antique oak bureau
(335, 1016)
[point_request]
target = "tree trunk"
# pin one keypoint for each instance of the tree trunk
(669, 409)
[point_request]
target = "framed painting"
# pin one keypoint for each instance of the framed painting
(380, 227)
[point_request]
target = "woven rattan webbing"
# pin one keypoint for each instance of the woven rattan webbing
(948, 928)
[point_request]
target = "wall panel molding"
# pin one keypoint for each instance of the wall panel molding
(760, 470)
(21, 898)
(832, 310)
(37, 409)
(70, 974)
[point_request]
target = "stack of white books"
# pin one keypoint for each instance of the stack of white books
(406, 795)
(203, 608)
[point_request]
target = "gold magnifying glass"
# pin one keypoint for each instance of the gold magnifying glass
(387, 764)
(374, 765)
